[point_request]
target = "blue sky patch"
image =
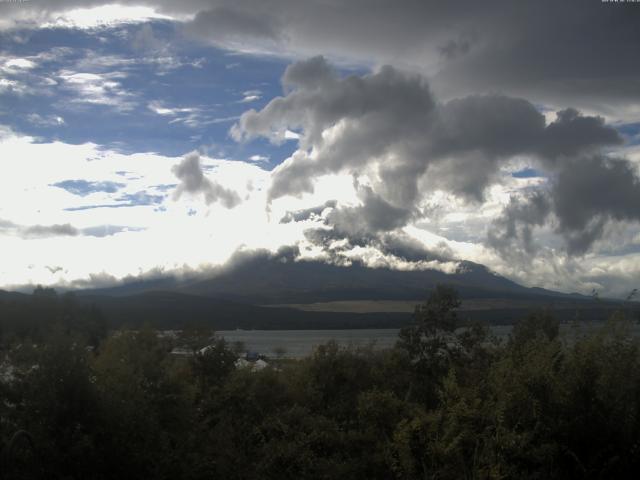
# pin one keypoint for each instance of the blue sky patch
(527, 173)
(630, 132)
(108, 230)
(138, 199)
(137, 88)
(83, 187)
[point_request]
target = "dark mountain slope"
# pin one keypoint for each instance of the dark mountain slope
(265, 281)
(171, 310)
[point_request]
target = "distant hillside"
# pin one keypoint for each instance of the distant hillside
(263, 280)
(171, 310)
(277, 281)
(276, 292)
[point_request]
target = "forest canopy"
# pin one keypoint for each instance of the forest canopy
(445, 402)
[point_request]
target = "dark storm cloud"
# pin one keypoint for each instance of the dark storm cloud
(573, 134)
(476, 134)
(564, 53)
(375, 215)
(455, 48)
(391, 117)
(193, 181)
(233, 24)
(591, 191)
(514, 227)
(389, 122)
(312, 73)
(575, 52)
(586, 194)
(376, 114)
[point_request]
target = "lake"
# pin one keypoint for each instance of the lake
(301, 343)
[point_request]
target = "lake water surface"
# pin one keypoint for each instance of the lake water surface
(300, 343)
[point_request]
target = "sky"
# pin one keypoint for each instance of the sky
(154, 138)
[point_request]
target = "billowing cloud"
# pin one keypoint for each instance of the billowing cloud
(547, 52)
(586, 195)
(513, 229)
(194, 182)
(238, 26)
(373, 216)
(590, 192)
(370, 117)
(390, 118)
(389, 133)
(307, 213)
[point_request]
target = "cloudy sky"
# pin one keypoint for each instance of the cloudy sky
(163, 136)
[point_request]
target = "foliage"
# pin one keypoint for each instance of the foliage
(35, 316)
(447, 402)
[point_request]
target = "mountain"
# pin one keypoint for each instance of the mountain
(271, 280)
(277, 292)
(275, 281)
(6, 296)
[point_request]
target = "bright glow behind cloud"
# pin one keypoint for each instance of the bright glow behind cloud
(168, 235)
(104, 16)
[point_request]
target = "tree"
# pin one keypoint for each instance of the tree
(212, 364)
(145, 405)
(430, 341)
(59, 405)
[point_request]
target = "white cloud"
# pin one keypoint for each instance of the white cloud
(251, 96)
(45, 120)
(98, 89)
(19, 64)
(8, 85)
(193, 117)
(160, 109)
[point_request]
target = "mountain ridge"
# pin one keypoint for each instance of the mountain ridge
(264, 279)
